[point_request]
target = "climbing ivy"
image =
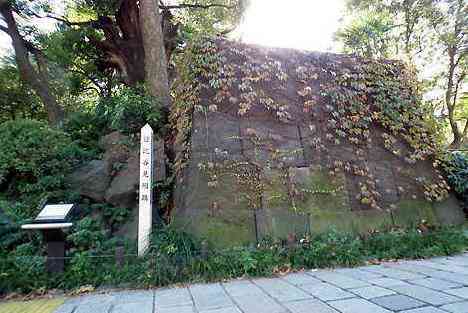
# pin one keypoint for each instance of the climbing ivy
(355, 96)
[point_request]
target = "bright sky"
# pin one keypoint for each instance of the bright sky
(43, 24)
(300, 24)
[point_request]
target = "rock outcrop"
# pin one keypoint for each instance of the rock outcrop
(115, 178)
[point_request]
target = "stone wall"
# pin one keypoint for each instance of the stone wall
(283, 158)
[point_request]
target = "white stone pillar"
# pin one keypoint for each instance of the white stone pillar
(145, 208)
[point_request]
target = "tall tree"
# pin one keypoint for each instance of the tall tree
(16, 98)
(36, 75)
(155, 55)
(116, 29)
(369, 35)
(450, 26)
(422, 30)
(407, 16)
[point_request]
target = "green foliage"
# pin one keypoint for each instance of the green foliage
(16, 98)
(369, 35)
(85, 129)
(129, 109)
(209, 22)
(413, 243)
(87, 234)
(175, 257)
(34, 160)
(19, 266)
(430, 36)
(456, 168)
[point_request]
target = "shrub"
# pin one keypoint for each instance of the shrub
(34, 160)
(85, 129)
(22, 270)
(456, 168)
(131, 108)
(176, 257)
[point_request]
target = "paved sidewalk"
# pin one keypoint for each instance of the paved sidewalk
(438, 285)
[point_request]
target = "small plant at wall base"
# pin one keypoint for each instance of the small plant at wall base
(176, 257)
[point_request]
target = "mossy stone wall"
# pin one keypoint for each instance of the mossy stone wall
(304, 140)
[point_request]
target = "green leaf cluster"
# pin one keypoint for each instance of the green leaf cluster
(34, 160)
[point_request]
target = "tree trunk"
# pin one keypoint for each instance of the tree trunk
(155, 57)
(35, 78)
(457, 136)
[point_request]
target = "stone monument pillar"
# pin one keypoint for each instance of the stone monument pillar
(145, 208)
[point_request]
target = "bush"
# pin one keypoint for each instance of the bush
(131, 108)
(176, 257)
(34, 160)
(85, 129)
(456, 168)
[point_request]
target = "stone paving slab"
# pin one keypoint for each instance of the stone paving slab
(393, 273)
(459, 307)
(453, 277)
(210, 296)
(398, 302)
(327, 292)
(439, 285)
(435, 283)
(357, 306)
(412, 267)
(176, 309)
(223, 310)
(260, 305)
(444, 267)
(340, 280)
(251, 299)
(146, 296)
(372, 292)
(428, 309)
(358, 273)
(309, 306)
(133, 307)
(459, 292)
(281, 290)
(93, 307)
(300, 279)
(425, 294)
(172, 297)
(387, 282)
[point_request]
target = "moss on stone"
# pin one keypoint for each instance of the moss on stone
(412, 211)
(321, 193)
(222, 233)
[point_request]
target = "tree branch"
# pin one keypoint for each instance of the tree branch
(64, 20)
(457, 86)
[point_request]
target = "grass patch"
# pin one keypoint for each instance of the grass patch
(176, 257)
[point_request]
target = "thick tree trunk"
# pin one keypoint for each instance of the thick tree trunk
(155, 57)
(123, 45)
(35, 78)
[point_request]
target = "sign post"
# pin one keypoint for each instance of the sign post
(51, 221)
(145, 209)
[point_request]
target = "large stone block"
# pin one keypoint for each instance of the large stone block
(215, 132)
(272, 142)
(91, 180)
(218, 211)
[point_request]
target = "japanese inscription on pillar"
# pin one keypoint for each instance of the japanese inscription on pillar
(145, 209)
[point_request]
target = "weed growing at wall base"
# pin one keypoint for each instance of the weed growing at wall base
(176, 257)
